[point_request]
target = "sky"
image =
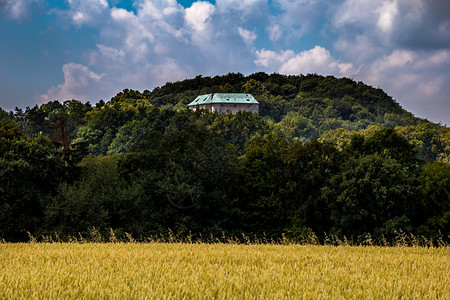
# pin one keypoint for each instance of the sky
(91, 49)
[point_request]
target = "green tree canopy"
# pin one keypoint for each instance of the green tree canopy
(371, 194)
(434, 185)
(30, 171)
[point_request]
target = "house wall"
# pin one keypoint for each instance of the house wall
(223, 108)
(194, 107)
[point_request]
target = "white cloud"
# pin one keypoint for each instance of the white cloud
(78, 17)
(79, 83)
(271, 60)
(247, 35)
(360, 49)
(386, 15)
(436, 59)
(398, 58)
(199, 14)
(359, 13)
(145, 34)
(120, 14)
(364, 28)
(87, 11)
(156, 10)
(316, 60)
(110, 53)
(167, 71)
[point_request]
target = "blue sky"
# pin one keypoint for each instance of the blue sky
(92, 49)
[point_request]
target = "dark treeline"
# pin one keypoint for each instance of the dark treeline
(325, 154)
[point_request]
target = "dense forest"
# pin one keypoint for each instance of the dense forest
(325, 155)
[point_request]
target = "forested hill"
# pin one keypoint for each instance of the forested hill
(328, 102)
(328, 155)
(300, 108)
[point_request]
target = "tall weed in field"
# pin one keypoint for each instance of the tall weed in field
(400, 239)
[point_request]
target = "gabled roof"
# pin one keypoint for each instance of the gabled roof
(233, 98)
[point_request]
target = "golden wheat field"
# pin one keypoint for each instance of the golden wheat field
(221, 271)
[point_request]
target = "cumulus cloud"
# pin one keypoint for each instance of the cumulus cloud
(398, 59)
(271, 60)
(387, 14)
(165, 72)
(316, 60)
(154, 32)
(358, 13)
(79, 83)
(199, 14)
(87, 11)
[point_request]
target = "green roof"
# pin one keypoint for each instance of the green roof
(224, 98)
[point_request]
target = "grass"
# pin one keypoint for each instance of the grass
(222, 271)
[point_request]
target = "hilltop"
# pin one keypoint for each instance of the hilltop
(328, 101)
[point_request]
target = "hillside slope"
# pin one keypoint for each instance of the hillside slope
(316, 97)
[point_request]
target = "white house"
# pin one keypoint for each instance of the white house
(226, 103)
